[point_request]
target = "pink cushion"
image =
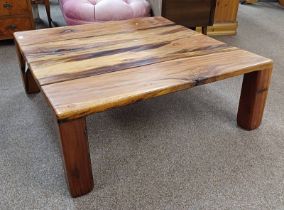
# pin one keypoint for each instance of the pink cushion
(85, 11)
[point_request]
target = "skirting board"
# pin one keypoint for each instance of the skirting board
(222, 29)
(250, 1)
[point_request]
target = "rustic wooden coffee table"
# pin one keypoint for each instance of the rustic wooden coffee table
(86, 69)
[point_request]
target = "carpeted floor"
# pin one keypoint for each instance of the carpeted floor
(181, 151)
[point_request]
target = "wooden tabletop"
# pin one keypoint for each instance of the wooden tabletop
(94, 67)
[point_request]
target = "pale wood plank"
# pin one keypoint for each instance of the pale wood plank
(85, 96)
(110, 59)
(88, 30)
(67, 48)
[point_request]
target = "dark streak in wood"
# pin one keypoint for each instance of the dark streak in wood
(200, 49)
(150, 28)
(200, 81)
(97, 71)
(126, 32)
(120, 67)
(116, 51)
(174, 31)
(67, 31)
(116, 33)
(62, 51)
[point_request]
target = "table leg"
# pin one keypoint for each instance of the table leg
(253, 98)
(204, 30)
(47, 8)
(27, 77)
(75, 150)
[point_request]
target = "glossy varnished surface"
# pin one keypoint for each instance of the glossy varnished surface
(91, 68)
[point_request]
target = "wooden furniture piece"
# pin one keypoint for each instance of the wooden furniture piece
(47, 9)
(248, 1)
(15, 15)
(188, 13)
(281, 2)
(91, 68)
(225, 20)
(184, 12)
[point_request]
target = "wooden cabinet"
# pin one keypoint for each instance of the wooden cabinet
(225, 18)
(189, 13)
(15, 15)
(225, 21)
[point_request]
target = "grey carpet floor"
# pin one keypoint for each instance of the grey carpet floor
(180, 151)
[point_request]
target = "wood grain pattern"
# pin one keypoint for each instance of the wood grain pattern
(15, 16)
(229, 28)
(105, 91)
(226, 11)
(13, 7)
(114, 65)
(253, 97)
(91, 68)
(77, 162)
(10, 25)
(89, 30)
(225, 20)
(131, 52)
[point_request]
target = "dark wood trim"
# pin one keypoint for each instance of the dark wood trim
(253, 98)
(204, 30)
(47, 9)
(76, 156)
(212, 12)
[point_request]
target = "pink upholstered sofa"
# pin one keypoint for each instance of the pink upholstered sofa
(86, 11)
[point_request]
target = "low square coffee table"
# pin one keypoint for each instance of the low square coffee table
(91, 68)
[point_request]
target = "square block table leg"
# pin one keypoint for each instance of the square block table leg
(77, 162)
(27, 77)
(253, 97)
